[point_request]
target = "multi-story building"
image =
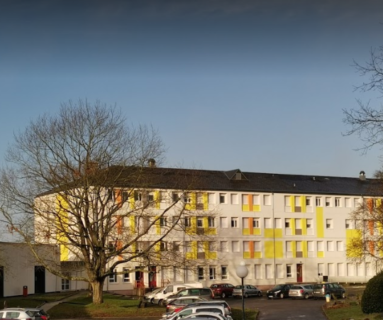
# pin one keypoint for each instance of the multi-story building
(287, 228)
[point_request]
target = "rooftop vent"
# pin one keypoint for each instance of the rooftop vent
(362, 175)
(152, 163)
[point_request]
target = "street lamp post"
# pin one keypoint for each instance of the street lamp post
(242, 273)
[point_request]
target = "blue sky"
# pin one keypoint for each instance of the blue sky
(254, 85)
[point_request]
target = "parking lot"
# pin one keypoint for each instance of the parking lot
(281, 309)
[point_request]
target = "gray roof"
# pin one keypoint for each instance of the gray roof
(238, 181)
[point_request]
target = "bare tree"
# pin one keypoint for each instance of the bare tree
(367, 121)
(81, 180)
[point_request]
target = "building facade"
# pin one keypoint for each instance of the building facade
(287, 228)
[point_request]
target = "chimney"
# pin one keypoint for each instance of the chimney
(362, 176)
(152, 163)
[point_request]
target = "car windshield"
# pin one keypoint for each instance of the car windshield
(278, 287)
(296, 287)
(238, 287)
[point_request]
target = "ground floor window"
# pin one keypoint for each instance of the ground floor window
(65, 284)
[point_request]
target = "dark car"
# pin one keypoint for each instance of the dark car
(333, 289)
(180, 303)
(222, 290)
(279, 291)
(205, 293)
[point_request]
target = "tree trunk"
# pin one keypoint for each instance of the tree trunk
(97, 294)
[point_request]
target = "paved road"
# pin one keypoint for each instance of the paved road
(283, 309)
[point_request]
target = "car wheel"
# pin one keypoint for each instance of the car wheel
(281, 296)
(223, 295)
(160, 302)
(259, 294)
(343, 295)
(246, 295)
(307, 296)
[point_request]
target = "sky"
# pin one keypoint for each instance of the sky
(252, 85)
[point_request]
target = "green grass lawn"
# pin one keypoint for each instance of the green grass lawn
(116, 306)
(34, 300)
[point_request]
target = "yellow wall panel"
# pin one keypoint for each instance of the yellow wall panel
(278, 233)
(268, 233)
(292, 203)
(257, 231)
(303, 203)
(320, 222)
(246, 255)
(257, 255)
(320, 254)
(278, 249)
(205, 199)
(245, 208)
(246, 231)
(269, 249)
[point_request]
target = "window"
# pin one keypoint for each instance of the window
(310, 249)
(187, 198)
(199, 222)
(289, 273)
(211, 198)
(309, 224)
(177, 246)
(224, 246)
(224, 222)
(187, 222)
(318, 202)
(269, 271)
(211, 222)
(163, 246)
(256, 200)
(356, 202)
(258, 271)
(256, 223)
(267, 200)
(287, 223)
(234, 198)
(113, 278)
(224, 273)
(163, 222)
(163, 196)
(320, 269)
(126, 275)
(349, 224)
(235, 246)
(278, 223)
(222, 198)
(234, 222)
(201, 275)
(331, 269)
(245, 246)
(268, 223)
(287, 201)
(328, 201)
(347, 202)
(200, 201)
(330, 245)
(308, 201)
(212, 246)
(337, 202)
(320, 246)
(175, 196)
(188, 246)
(212, 275)
(329, 224)
(339, 245)
(279, 271)
(257, 246)
(65, 284)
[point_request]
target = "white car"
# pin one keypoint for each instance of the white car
(187, 311)
(150, 295)
(206, 316)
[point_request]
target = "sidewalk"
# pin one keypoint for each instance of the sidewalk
(49, 305)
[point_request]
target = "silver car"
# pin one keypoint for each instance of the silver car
(248, 290)
(301, 291)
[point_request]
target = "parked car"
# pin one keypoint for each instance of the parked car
(196, 309)
(24, 314)
(222, 303)
(222, 290)
(206, 316)
(148, 297)
(333, 289)
(248, 290)
(172, 289)
(181, 302)
(279, 291)
(205, 293)
(302, 291)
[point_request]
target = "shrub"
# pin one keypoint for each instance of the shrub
(372, 301)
